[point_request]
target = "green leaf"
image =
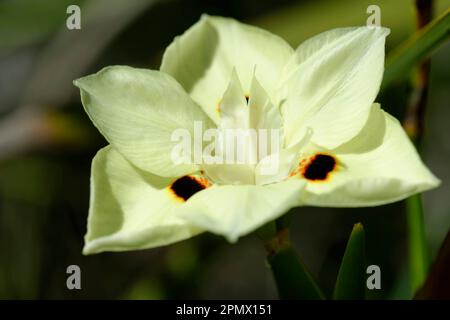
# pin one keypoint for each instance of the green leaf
(350, 283)
(400, 62)
(292, 279)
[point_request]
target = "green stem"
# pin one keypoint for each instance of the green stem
(418, 250)
(291, 277)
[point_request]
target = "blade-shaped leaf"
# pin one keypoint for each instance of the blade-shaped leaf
(292, 279)
(350, 283)
(417, 48)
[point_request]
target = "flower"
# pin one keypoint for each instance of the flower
(337, 148)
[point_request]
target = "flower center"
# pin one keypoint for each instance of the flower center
(250, 130)
(252, 134)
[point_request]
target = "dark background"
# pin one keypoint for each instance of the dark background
(47, 143)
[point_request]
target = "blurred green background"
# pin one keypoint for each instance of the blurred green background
(47, 143)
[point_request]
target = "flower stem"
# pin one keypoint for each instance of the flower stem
(418, 250)
(292, 279)
(414, 126)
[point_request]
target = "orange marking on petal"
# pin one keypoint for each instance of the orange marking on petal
(218, 105)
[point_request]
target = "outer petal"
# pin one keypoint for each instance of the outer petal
(130, 209)
(234, 211)
(137, 110)
(331, 83)
(203, 57)
(378, 166)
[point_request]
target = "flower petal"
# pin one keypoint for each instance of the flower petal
(331, 83)
(263, 114)
(278, 166)
(130, 209)
(138, 110)
(233, 106)
(233, 211)
(378, 166)
(203, 57)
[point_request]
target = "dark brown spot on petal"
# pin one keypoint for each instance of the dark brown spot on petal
(185, 187)
(247, 98)
(319, 167)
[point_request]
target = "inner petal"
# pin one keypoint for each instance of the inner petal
(233, 106)
(278, 166)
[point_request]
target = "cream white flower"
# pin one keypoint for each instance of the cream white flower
(338, 148)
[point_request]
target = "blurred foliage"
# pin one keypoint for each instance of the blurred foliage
(418, 47)
(24, 22)
(47, 143)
